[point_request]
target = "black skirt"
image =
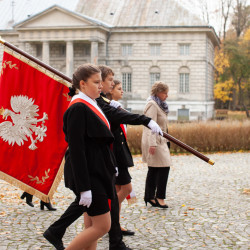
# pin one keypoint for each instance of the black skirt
(99, 205)
(123, 177)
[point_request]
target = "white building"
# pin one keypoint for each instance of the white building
(142, 40)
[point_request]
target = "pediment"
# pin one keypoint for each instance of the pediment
(55, 17)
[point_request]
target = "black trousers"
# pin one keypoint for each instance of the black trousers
(75, 210)
(156, 183)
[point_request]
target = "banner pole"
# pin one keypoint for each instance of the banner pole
(32, 58)
(179, 143)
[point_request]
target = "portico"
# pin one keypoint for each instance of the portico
(73, 40)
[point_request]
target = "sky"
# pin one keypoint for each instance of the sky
(213, 8)
(24, 8)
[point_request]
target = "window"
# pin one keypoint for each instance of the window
(38, 50)
(155, 49)
(184, 83)
(127, 49)
(82, 49)
(62, 50)
(184, 49)
(154, 77)
(126, 82)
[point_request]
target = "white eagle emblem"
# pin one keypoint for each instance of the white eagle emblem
(23, 124)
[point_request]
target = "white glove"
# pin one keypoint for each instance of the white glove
(86, 198)
(115, 104)
(117, 172)
(155, 127)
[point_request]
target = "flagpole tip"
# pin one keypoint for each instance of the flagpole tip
(1, 40)
(211, 162)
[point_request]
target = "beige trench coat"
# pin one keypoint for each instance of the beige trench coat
(162, 157)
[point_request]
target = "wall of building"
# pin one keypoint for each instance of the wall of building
(169, 62)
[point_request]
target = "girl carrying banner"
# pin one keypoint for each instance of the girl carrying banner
(89, 163)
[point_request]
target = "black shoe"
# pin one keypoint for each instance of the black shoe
(52, 239)
(150, 201)
(120, 246)
(28, 197)
(48, 205)
(159, 205)
(127, 232)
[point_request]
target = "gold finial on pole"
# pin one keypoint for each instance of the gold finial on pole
(211, 162)
(1, 40)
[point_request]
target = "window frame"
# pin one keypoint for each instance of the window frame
(184, 82)
(186, 49)
(127, 82)
(154, 78)
(127, 49)
(155, 49)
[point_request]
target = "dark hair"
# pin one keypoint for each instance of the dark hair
(116, 82)
(106, 70)
(83, 72)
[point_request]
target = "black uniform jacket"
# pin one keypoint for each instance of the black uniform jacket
(121, 150)
(119, 116)
(89, 162)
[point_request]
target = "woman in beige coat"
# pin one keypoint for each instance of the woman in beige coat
(155, 151)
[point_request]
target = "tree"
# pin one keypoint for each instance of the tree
(225, 11)
(232, 62)
(204, 10)
(239, 60)
(223, 82)
(240, 20)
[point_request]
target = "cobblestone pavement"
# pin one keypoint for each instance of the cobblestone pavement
(208, 209)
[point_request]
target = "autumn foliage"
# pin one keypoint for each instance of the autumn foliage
(212, 136)
(232, 86)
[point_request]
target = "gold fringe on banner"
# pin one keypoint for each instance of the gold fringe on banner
(33, 191)
(57, 180)
(36, 66)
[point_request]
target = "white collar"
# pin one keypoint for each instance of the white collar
(89, 100)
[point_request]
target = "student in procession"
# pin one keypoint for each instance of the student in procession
(155, 149)
(89, 162)
(115, 116)
(122, 154)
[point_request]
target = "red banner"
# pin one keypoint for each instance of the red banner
(32, 144)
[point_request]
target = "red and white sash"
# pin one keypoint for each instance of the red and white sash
(93, 108)
(124, 130)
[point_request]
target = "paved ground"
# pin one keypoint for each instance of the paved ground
(208, 209)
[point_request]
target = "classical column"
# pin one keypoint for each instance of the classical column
(94, 52)
(69, 58)
(45, 53)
